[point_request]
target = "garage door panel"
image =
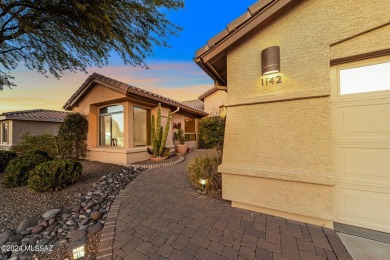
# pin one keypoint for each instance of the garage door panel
(362, 121)
(363, 208)
(363, 162)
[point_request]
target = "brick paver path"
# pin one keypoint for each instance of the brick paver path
(161, 217)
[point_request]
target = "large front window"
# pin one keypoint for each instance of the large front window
(140, 126)
(189, 129)
(4, 131)
(111, 126)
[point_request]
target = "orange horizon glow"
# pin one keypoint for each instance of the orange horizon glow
(177, 80)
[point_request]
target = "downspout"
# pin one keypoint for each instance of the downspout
(177, 110)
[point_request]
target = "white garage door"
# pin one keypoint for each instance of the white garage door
(360, 105)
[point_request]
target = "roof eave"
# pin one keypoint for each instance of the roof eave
(260, 13)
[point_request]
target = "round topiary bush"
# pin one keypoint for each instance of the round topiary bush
(17, 171)
(54, 175)
(5, 158)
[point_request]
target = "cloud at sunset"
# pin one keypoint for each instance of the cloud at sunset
(179, 80)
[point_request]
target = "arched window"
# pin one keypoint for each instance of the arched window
(111, 126)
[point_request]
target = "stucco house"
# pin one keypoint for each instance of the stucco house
(308, 110)
(119, 117)
(214, 100)
(33, 122)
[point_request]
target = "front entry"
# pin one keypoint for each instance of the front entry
(360, 105)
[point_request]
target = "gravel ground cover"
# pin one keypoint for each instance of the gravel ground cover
(17, 204)
(77, 214)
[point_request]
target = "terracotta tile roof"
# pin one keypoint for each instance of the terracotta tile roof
(232, 27)
(35, 115)
(207, 93)
(127, 90)
(198, 104)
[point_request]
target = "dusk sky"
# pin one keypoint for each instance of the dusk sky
(172, 71)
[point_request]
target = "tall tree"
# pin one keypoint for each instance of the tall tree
(53, 36)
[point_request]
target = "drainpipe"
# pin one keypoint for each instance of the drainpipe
(177, 110)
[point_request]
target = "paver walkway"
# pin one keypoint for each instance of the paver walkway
(161, 217)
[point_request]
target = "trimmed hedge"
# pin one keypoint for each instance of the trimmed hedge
(5, 158)
(40, 152)
(54, 175)
(17, 171)
(211, 132)
(31, 143)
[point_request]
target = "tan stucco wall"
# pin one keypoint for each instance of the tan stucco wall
(32, 128)
(213, 103)
(281, 134)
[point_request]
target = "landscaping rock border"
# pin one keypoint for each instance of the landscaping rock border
(58, 227)
(158, 165)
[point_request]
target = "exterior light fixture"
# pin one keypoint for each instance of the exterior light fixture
(77, 248)
(203, 182)
(270, 60)
(78, 252)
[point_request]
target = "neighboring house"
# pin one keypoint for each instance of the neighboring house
(119, 117)
(214, 101)
(33, 122)
(308, 121)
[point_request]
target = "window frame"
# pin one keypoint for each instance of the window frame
(336, 80)
(190, 133)
(148, 130)
(4, 133)
(100, 115)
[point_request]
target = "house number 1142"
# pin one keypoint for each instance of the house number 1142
(271, 81)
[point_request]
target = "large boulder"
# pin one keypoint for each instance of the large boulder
(51, 213)
(5, 236)
(27, 223)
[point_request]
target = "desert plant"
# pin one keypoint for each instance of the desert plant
(5, 158)
(18, 169)
(159, 135)
(211, 132)
(54, 175)
(44, 142)
(72, 136)
(179, 136)
(204, 167)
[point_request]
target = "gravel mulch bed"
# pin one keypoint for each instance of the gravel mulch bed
(17, 204)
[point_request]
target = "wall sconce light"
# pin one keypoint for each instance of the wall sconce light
(270, 60)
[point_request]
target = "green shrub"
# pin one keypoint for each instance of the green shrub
(40, 152)
(204, 167)
(45, 142)
(72, 136)
(18, 169)
(5, 158)
(211, 132)
(54, 175)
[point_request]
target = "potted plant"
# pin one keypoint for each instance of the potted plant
(180, 137)
(159, 137)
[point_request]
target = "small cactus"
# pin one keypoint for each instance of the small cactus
(159, 134)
